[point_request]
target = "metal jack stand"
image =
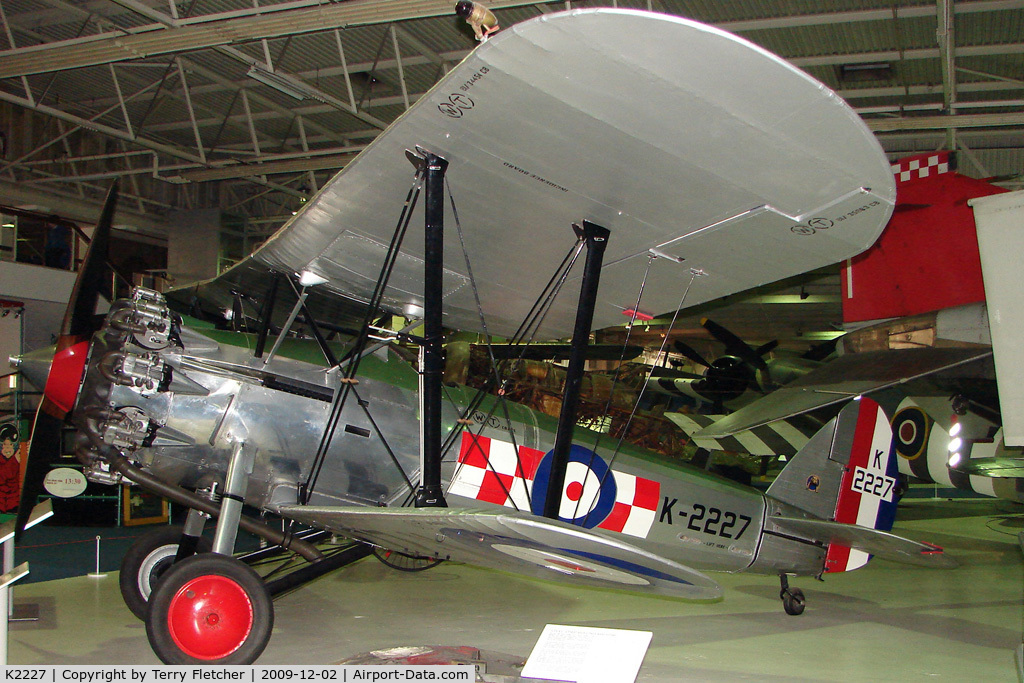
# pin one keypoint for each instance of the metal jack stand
(11, 574)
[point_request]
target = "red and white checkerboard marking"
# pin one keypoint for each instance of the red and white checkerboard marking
(921, 166)
(490, 471)
(636, 503)
(505, 481)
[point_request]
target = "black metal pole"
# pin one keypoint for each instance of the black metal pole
(430, 493)
(266, 312)
(596, 239)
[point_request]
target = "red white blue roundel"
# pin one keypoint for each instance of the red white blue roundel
(494, 471)
(588, 494)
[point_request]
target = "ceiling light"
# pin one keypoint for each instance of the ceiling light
(870, 71)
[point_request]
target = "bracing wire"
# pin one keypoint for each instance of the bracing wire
(694, 274)
(341, 396)
(540, 308)
(615, 382)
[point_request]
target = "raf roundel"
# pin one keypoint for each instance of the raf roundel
(588, 494)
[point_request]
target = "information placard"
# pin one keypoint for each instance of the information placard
(582, 654)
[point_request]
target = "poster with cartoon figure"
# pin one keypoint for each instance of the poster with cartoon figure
(10, 467)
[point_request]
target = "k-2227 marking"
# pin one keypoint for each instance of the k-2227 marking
(872, 484)
(708, 520)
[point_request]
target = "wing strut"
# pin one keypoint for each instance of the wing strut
(596, 239)
(430, 493)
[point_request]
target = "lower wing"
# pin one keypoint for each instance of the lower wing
(515, 542)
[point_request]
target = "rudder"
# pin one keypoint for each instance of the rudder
(846, 473)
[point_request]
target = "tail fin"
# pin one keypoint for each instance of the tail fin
(847, 474)
(927, 257)
(847, 471)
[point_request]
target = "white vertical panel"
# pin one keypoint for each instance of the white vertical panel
(1000, 221)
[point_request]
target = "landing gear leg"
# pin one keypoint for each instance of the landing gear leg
(149, 557)
(231, 499)
(792, 598)
(212, 608)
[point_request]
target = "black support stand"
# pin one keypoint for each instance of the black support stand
(430, 493)
(266, 312)
(596, 240)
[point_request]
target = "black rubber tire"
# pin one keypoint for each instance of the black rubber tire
(793, 602)
(147, 559)
(210, 609)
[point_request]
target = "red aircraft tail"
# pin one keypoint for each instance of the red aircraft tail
(927, 257)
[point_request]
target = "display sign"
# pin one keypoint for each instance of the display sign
(582, 654)
(64, 482)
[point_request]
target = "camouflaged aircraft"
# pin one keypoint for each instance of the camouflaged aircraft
(689, 163)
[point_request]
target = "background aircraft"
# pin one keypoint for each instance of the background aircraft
(213, 419)
(920, 336)
(736, 377)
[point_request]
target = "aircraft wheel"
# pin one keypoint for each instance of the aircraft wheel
(793, 601)
(210, 609)
(405, 562)
(146, 561)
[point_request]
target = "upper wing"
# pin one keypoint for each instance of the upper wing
(840, 380)
(512, 541)
(750, 170)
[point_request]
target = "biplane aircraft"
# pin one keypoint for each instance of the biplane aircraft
(691, 164)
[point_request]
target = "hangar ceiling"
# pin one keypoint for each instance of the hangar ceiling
(250, 105)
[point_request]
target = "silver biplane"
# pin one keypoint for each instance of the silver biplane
(691, 164)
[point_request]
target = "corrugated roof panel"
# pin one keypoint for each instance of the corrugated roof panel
(990, 28)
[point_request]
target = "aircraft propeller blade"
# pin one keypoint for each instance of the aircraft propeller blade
(734, 346)
(766, 348)
(79, 317)
(690, 352)
(68, 363)
(821, 351)
(43, 449)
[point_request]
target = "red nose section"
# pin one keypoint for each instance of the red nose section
(66, 375)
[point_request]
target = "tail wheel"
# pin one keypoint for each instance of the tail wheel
(147, 560)
(209, 609)
(793, 601)
(404, 562)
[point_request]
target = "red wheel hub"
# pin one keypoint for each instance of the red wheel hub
(210, 617)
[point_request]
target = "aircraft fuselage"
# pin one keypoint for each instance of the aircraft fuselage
(180, 411)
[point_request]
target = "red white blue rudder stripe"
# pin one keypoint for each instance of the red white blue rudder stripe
(867, 494)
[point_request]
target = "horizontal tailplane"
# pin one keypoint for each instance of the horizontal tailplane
(870, 541)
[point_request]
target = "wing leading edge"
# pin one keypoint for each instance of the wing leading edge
(514, 542)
